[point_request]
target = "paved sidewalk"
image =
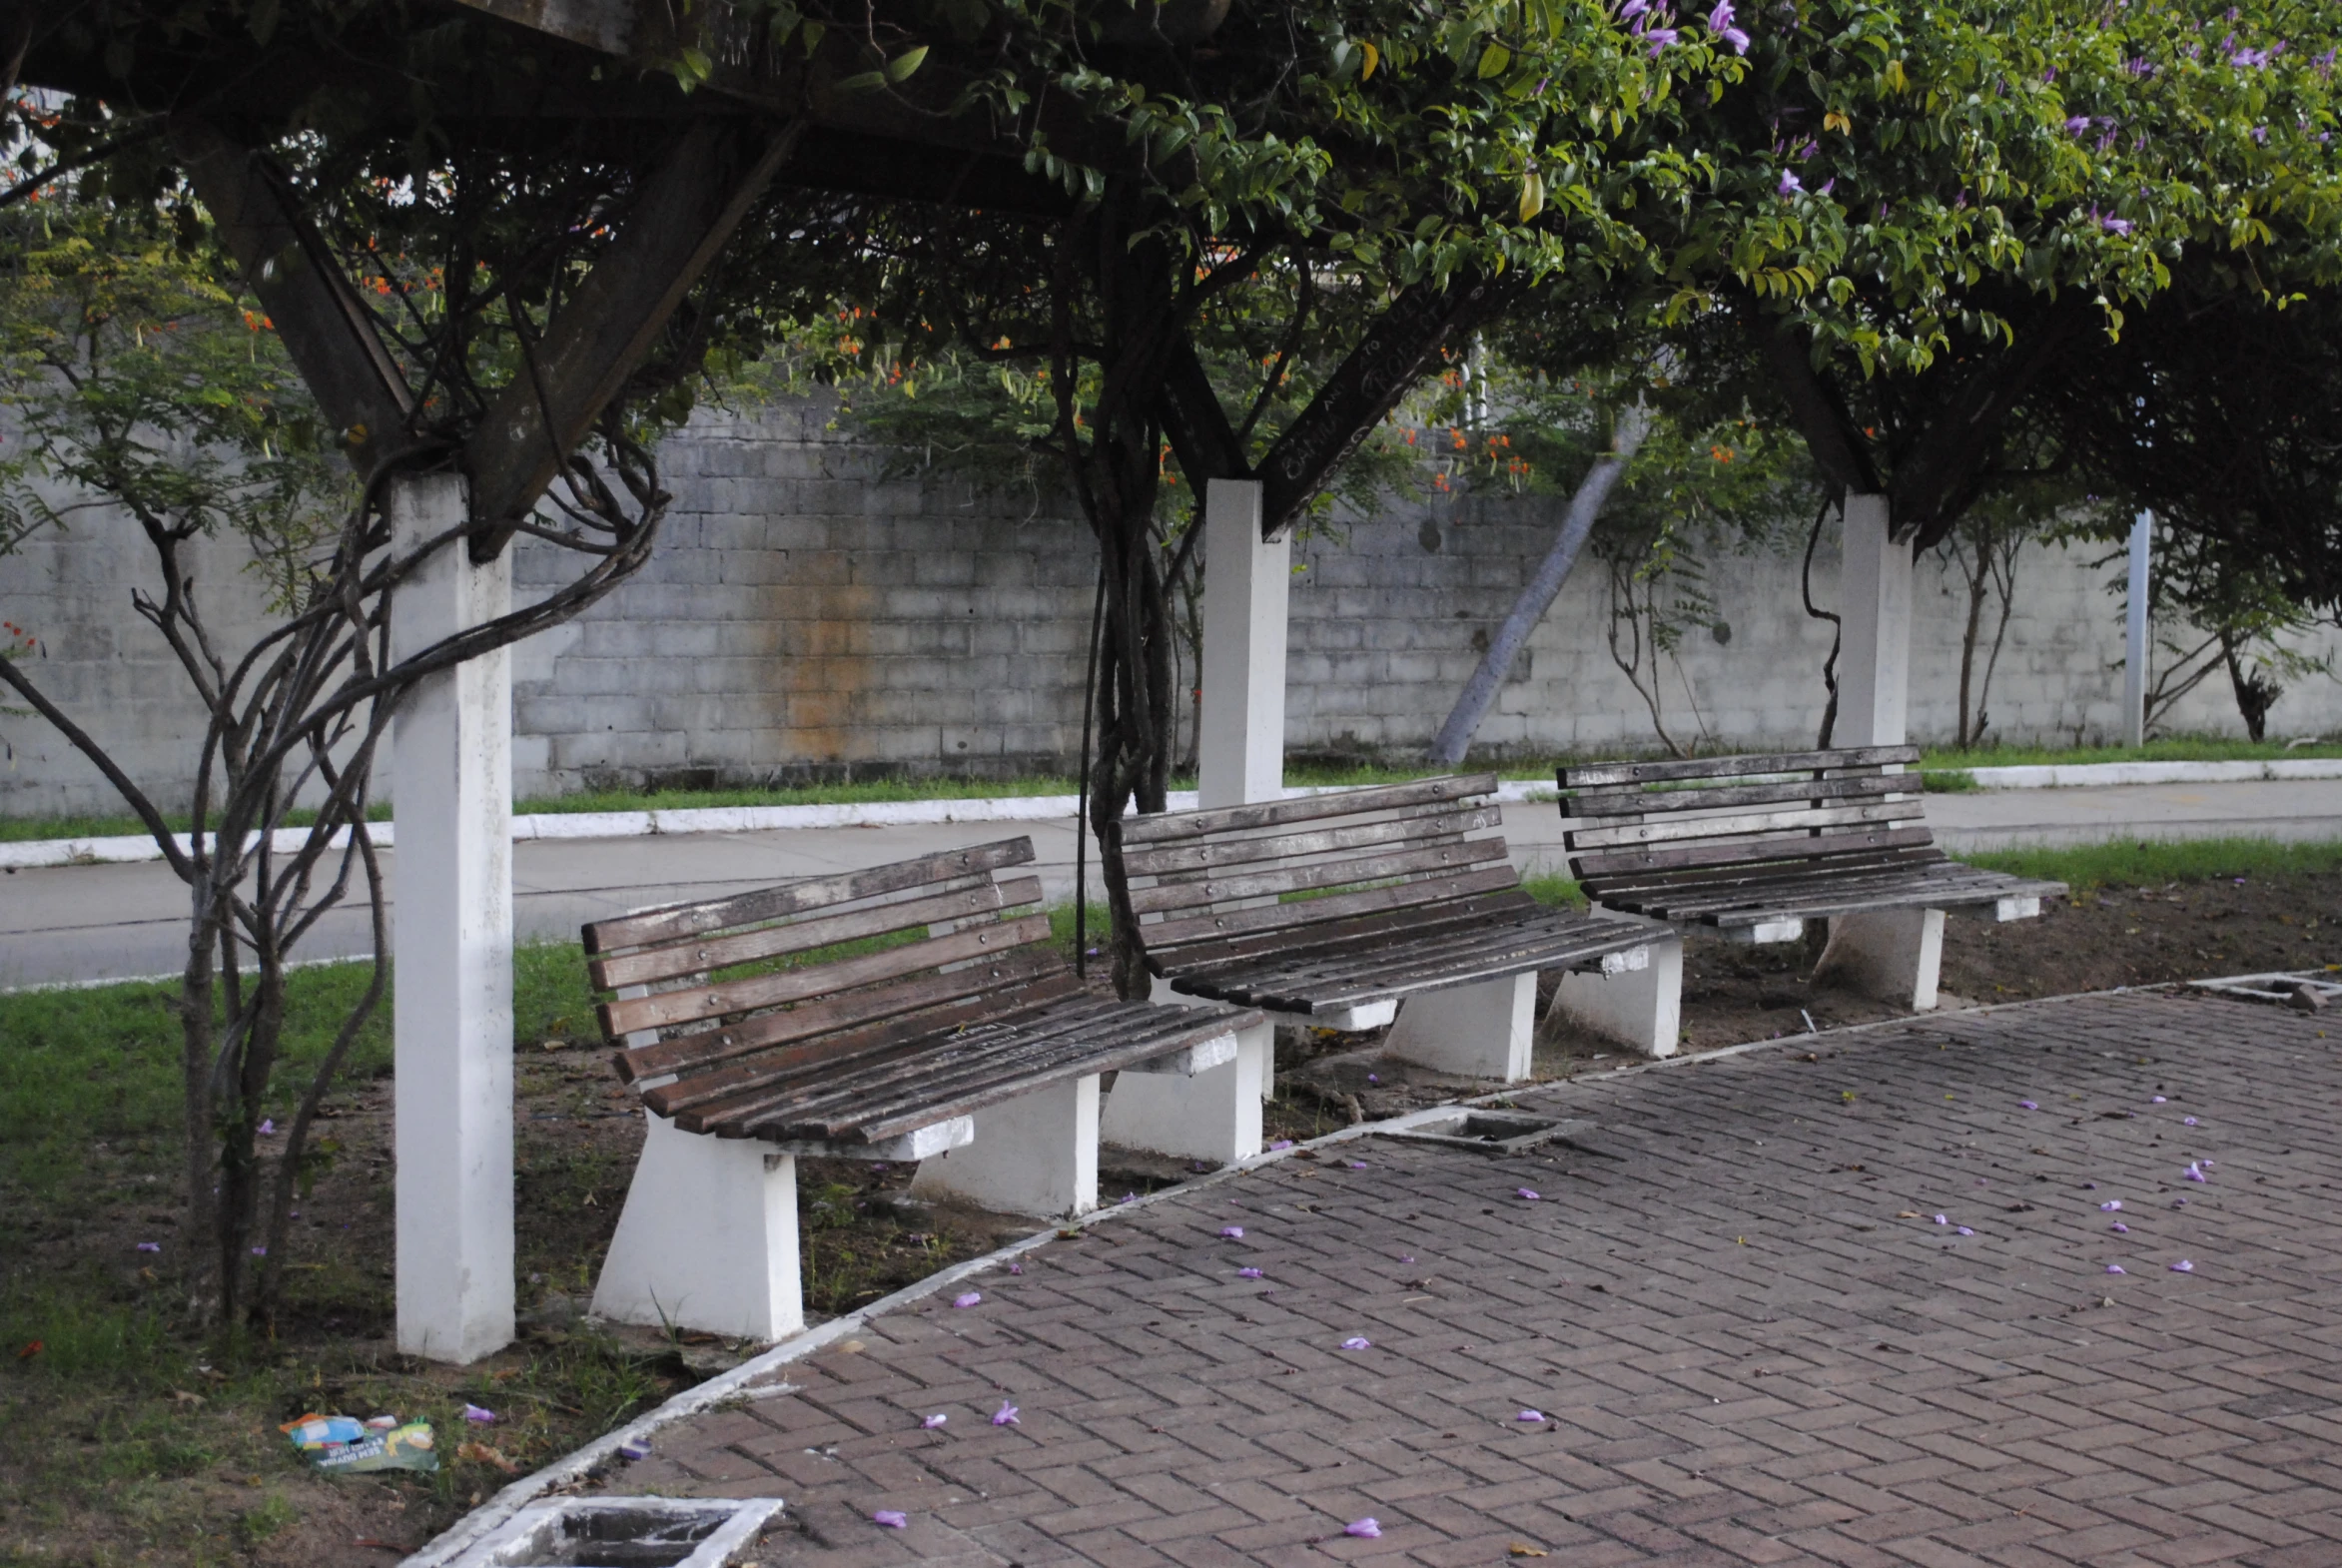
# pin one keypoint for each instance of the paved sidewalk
(83, 923)
(1749, 1340)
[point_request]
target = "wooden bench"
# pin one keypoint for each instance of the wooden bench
(1334, 909)
(949, 1032)
(1755, 846)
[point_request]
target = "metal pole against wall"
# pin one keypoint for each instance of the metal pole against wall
(2134, 640)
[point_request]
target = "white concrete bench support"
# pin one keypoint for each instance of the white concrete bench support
(1033, 1154)
(1894, 955)
(1484, 1030)
(1214, 1114)
(708, 1238)
(1640, 1006)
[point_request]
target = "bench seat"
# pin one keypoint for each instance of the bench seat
(1335, 908)
(1755, 846)
(917, 1010)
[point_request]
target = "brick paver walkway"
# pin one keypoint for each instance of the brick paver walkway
(1749, 1339)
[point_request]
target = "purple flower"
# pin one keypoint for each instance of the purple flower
(1632, 8)
(1826, 186)
(2027, 1105)
(1365, 1527)
(1790, 184)
(1719, 18)
(1526, 1192)
(150, 1246)
(1358, 1342)
(2116, 1269)
(1530, 1415)
(1248, 1273)
(967, 1299)
(1005, 1415)
(2260, 133)
(479, 1417)
(2194, 1172)
(1232, 1232)
(2183, 1266)
(2050, 75)
(889, 1518)
(2079, 123)
(266, 1128)
(1657, 38)
(1738, 39)
(2117, 226)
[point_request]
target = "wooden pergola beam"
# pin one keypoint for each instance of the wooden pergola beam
(685, 212)
(324, 324)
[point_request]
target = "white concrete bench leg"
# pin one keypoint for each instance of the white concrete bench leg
(1636, 1005)
(708, 1238)
(1214, 1114)
(1894, 955)
(1033, 1154)
(1476, 1031)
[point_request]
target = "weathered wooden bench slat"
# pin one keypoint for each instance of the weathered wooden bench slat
(649, 966)
(1674, 829)
(1179, 826)
(1655, 802)
(1216, 854)
(1417, 918)
(1848, 863)
(1220, 876)
(765, 1071)
(1592, 775)
(1318, 873)
(676, 922)
(1820, 895)
(1394, 967)
(1175, 934)
(665, 1008)
(705, 1049)
(1773, 847)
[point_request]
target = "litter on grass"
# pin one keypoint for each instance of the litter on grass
(344, 1443)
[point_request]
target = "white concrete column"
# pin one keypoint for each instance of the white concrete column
(1875, 591)
(1241, 751)
(1213, 1116)
(1890, 955)
(451, 790)
(2134, 633)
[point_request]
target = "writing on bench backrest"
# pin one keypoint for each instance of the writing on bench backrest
(710, 984)
(1199, 876)
(1712, 816)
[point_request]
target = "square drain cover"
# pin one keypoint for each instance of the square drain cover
(623, 1532)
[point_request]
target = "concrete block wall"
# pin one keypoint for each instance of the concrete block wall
(807, 619)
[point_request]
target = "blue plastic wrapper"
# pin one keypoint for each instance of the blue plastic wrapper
(340, 1442)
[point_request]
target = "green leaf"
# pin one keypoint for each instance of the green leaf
(902, 65)
(1494, 61)
(863, 82)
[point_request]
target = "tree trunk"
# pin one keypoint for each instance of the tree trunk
(1479, 693)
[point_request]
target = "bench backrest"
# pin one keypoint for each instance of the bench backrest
(1803, 811)
(1205, 876)
(706, 990)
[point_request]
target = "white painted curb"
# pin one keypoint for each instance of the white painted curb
(35, 853)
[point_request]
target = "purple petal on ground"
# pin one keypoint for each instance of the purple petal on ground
(1374, 1078)
(266, 1128)
(2120, 1228)
(479, 1417)
(2194, 1174)
(1939, 1220)
(935, 1421)
(1358, 1165)
(1965, 1230)
(2116, 1269)
(1132, 1198)
(1358, 1342)
(1232, 1232)
(1016, 1269)
(260, 1251)
(967, 1299)
(1408, 1259)
(634, 1448)
(1365, 1527)
(150, 1246)
(2110, 1205)
(1528, 1192)
(1283, 1142)
(2089, 1187)
(2179, 1203)
(1248, 1273)
(2027, 1105)
(1530, 1415)
(890, 1518)
(1005, 1415)
(2157, 1101)
(2183, 1266)
(2187, 1122)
